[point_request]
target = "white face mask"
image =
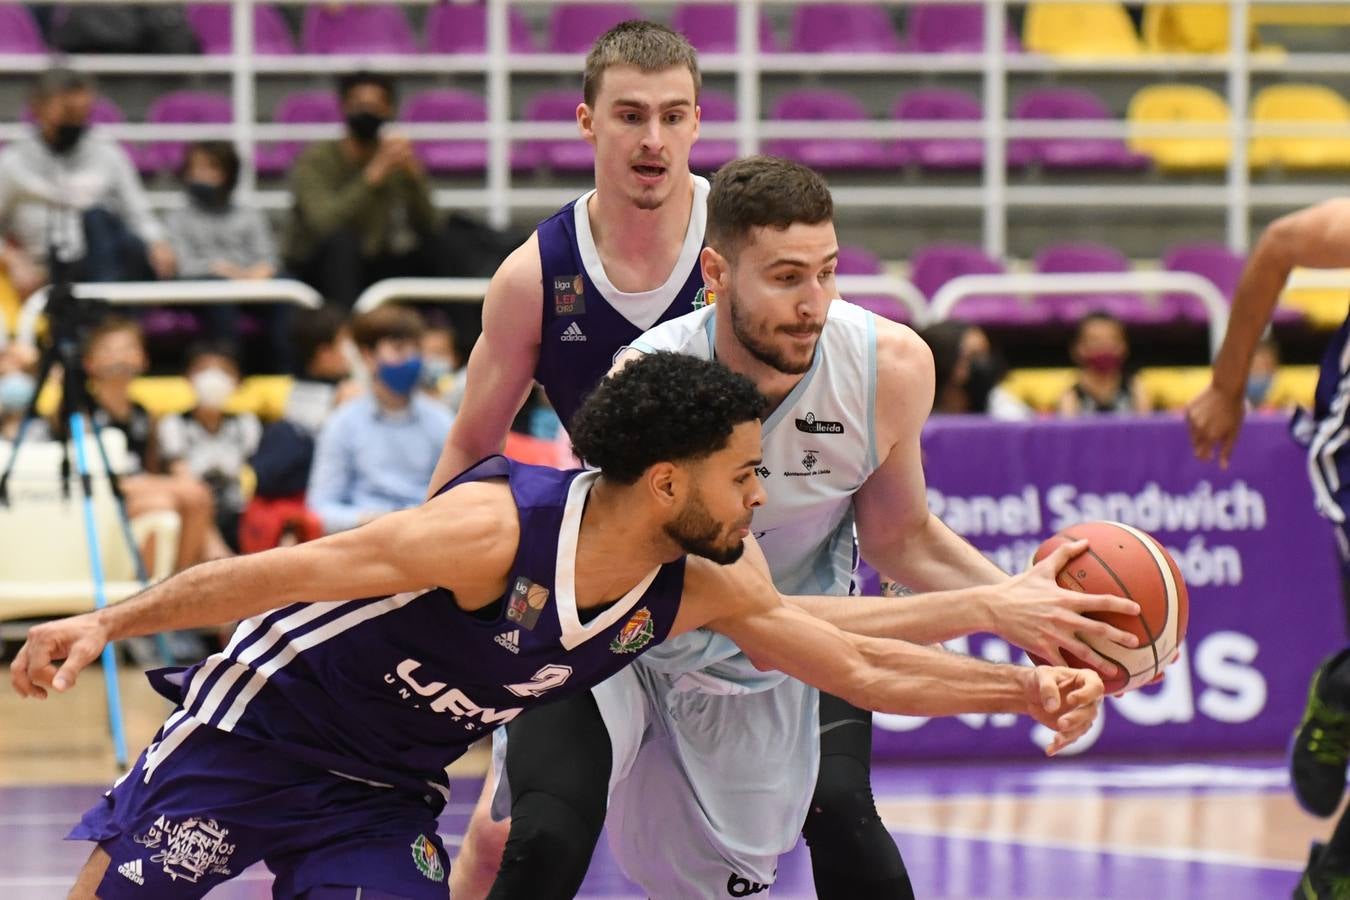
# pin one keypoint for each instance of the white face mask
(213, 387)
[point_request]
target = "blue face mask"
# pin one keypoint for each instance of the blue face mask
(1257, 388)
(16, 390)
(402, 377)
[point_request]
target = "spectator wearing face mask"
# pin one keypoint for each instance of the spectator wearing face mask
(74, 187)
(362, 207)
(114, 355)
(1260, 392)
(206, 442)
(1104, 384)
(18, 384)
(442, 367)
(376, 453)
(214, 237)
(967, 373)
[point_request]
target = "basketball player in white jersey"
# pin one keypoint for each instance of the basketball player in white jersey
(726, 753)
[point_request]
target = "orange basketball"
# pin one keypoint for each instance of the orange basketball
(1127, 562)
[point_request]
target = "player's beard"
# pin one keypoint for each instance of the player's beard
(699, 534)
(761, 346)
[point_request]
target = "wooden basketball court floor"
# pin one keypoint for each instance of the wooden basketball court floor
(1067, 829)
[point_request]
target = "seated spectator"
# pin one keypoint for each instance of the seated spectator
(18, 384)
(208, 443)
(1105, 383)
(1265, 363)
(376, 453)
(66, 185)
(362, 207)
(442, 367)
(214, 237)
(114, 355)
(968, 373)
(278, 511)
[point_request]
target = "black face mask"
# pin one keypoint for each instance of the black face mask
(67, 135)
(985, 374)
(365, 126)
(204, 193)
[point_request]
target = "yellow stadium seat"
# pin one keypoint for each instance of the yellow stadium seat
(1079, 29)
(1293, 103)
(1168, 387)
(1300, 14)
(1161, 103)
(1039, 388)
(1172, 387)
(1325, 307)
(263, 395)
(10, 303)
(1192, 28)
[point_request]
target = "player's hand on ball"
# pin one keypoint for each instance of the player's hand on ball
(1214, 419)
(1033, 612)
(74, 642)
(1064, 700)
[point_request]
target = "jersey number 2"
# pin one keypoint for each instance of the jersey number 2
(546, 679)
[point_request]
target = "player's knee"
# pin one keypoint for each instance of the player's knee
(842, 799)
(481, 852)
(548, 850)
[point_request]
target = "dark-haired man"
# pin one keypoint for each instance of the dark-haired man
(739, 760)
(317, 739)
(362, 204)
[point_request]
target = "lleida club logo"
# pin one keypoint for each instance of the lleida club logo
(703, 298)
(426, 858)
(527, 601)
(636, 634)
(812, 425)
(190, 849)
(569, 297)
(762, 471)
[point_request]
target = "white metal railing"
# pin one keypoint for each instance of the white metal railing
(994, 196)
(958, 289)
(147, 293)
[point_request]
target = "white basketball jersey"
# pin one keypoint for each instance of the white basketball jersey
(819, 448)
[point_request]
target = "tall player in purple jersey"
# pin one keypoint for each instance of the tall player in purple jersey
(317, 740)
(1317, 237)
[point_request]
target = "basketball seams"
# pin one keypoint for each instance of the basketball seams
(1124, 592)
(1170, 588)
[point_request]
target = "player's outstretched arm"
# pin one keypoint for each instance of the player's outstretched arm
(1317, 237)
(464, 540)
(1028, 610)
(883, 675)
(501, 366)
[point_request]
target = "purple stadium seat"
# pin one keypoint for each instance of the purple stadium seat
(1084, 257)
(462, 28)
(299, 108)
(936, 264)
(189, 107)
(357, 28)
(827, 153)
(18, 32)
(859, 261)
(573, 27)
(1221, 266)
(711, 27)
(449, 106)
(950, 28)
(1073, 153)
(843, 28)
(567, 155)
(710, 155)
(945, 154)
(211, 23)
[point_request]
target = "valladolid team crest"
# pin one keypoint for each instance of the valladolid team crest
(636, 634)
(427, 859)
(703, 298)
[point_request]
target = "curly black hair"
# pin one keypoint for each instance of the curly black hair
(662, 407)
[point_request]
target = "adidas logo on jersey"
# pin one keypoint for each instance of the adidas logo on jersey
(510, 640)
(132, 871)
(573, 332)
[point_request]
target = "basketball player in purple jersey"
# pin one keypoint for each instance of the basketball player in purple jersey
(610, 265)
(317, 740)
(1318, 238)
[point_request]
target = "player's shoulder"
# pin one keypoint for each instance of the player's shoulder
(522, 268)
(904, 360)
(483, 513)
(684, 334)
(714, 591)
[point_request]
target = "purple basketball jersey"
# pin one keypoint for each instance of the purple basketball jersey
(581, 329)
(393, 689)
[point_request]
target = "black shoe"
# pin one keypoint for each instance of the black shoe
(1321, 750)
(1320, 881)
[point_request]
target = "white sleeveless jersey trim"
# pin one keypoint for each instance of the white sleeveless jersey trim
(819, 448)
(643, 308)
(574, 634)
